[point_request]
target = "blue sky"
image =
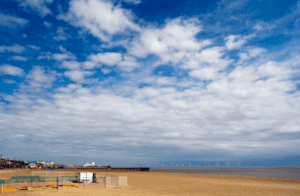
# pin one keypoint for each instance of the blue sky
(140, 82)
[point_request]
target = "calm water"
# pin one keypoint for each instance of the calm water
(273, 172)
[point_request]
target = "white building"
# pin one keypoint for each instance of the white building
(89, 165)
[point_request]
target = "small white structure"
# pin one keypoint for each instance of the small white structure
(89, 165)
(86, 177)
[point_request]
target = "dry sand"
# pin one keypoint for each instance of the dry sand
(156, 183)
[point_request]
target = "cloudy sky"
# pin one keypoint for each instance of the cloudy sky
(147, 81)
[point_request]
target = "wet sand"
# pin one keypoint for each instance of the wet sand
(158, 183)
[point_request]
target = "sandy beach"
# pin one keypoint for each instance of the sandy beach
(158, 183)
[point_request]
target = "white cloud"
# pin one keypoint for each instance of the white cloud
(105, 70)
(270, 69)
(60, 38)
(251, 52)
(64, 56)
(207, 73)
(73, 86)
(100, 18)
(39, 77)
(242, 103)
(60, 57)
(15, 48)
(160, 80)
(172, 42)
(62, 49)
(45, 55)
(254, 52)
(9, 81)
(206, 64)
(234, 42)
(19, 58)
(83, 91)
(47, 24)
(77, 75)
(71, 64)
(11, 70)
(36, 5)
(12, 21)
(62, 35)
(91, 64)
(128, 63)
(135, 2)
(258, 27)
(210, 55)
(34, 47)
(112, 44)
(263, 26)
(109, 58)
(243, 57)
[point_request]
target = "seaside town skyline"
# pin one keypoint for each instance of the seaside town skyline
(151, 83)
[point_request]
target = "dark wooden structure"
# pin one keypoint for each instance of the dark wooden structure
(13, 164)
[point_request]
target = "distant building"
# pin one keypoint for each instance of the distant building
(89, 165)
(48, 164)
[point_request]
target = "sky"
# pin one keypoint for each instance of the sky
(148, 82)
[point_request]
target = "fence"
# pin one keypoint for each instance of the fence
(60, 178)
(99, 184)
(33, 184)
(116, 181)
(45, 173)
(24, 179)
(50, 182)
(106, 181)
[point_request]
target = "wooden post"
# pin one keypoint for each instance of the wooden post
(1, 188)
(57, 183)
(31, 184)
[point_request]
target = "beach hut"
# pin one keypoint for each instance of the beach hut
(88, 177)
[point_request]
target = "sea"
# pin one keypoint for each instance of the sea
(267, 172)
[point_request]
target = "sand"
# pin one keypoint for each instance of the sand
(157, 183)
